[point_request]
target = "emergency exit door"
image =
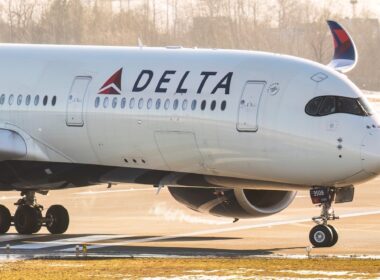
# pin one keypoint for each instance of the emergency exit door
(75, 101)
(249, 106)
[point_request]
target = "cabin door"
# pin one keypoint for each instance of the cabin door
(75, 101)
(249, 106)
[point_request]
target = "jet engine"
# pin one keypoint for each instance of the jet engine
(234, 203)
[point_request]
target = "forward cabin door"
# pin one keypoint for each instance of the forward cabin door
(75, 101)
(249, 106)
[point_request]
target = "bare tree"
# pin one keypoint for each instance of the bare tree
(295, 27)
(20, 19)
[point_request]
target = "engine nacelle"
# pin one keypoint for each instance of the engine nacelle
(234, 203)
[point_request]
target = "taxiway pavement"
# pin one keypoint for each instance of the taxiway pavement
(132, 220)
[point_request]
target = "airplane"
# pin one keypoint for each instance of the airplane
(229, 133)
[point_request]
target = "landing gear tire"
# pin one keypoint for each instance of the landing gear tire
(335, 235)
(5, 219)
(57, 219)
(321, 236)
(27, 219)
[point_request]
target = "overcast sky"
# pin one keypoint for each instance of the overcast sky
(373, 6)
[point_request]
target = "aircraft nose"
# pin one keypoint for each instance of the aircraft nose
(371, 153)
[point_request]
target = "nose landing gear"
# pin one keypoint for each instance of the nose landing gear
(28, 218)
(323, 234)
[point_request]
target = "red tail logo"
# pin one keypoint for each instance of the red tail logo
(113, 84)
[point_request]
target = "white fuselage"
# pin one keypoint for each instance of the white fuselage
(263, 133)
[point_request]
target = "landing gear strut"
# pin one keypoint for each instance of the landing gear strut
(28, 218)
(323, 234)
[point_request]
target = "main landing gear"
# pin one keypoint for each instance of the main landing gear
(323, 234)
(28, 218)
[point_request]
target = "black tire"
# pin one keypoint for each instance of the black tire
(57, 219)
(27, 219)
(37, 226)
(5, 219)
(335, 236)
(321, 236)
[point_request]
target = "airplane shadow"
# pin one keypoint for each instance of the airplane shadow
(119, 249)
(177, 239)
(113, 237)
(188, 251)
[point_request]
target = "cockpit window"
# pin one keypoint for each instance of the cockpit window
(313, 106)
(349, 106)
(366, 106)
(327, 105)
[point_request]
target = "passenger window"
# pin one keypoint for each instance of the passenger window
(114, 102)
(184, 105)
(27, 100)
(203, 105)
(36, 100)
(175, 104)
(141, 103)
(97, 101)
(45, 100)
(123, 102)
(54, 100)
(313, 106)
(105, 102)
(213, 105)
(149, 103)
(223, 105)
(131, 103)
(19, 99)
(10, 100)
(2, 99)
(158, 103)
(193, 105)
(167, 104)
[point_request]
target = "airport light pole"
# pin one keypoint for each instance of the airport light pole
(354, 3)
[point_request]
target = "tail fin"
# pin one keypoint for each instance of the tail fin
(345, 55)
